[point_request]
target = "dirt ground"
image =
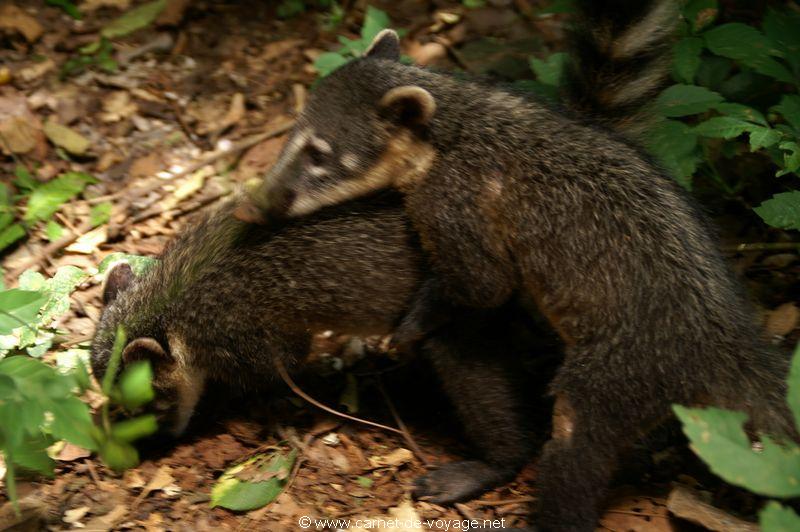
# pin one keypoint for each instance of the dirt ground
(200, 94)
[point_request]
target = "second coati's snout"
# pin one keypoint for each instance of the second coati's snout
(349, 143)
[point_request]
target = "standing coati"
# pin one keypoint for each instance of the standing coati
(511, 197)
(227, 299)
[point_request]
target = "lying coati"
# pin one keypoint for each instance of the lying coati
(227, 299)
(511, 197)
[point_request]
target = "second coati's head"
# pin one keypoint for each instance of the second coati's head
(365, 129)
(177, 383)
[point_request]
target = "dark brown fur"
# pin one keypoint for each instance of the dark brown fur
(227, 299)
(522, 199)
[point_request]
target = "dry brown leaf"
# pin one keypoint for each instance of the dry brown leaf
(76, 514)
(146, 166)
(783, 319)
(396, 458)
(117, 106)
(133, 479)
(89, 242)
(71, 452)
(173, 13)
(14, 19)
(403, 515)
(637, 514)
(20, 130)
(106, 522)
(36, 70)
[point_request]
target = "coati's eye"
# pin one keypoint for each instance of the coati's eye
(316, 156)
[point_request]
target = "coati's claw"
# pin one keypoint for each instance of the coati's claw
(459, 481)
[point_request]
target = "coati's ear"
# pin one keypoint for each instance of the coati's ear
(117, 280)
(409, 105)
(385, 45)
(145, 349)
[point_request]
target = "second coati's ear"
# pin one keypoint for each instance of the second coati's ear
(145, 348)
(409, 105)
(385, 45)
(117, 280)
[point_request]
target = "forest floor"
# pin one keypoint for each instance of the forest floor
(190, 113)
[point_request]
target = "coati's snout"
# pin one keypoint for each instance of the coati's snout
(355, 137)
(176, 383)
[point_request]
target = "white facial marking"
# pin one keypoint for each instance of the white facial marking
(320, 144)
(350, 161)
(190, 385)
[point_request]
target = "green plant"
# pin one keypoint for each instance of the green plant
(68, 7)
(41, 201)
(96, 54)
(375, 20)
(734, 110)
(717, 436)
(40, 404)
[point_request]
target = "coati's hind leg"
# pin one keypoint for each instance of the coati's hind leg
(467, 357)
(594, 420)
(428, 312)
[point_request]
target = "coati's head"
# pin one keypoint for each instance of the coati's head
(363, 130)
(177, 384)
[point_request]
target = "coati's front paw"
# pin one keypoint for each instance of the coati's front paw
(459, 481)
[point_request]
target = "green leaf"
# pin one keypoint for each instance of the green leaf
(472, 4)
(790, 109)
(68, 7)
(134, 385)
(783, 30)
(140, 265)
(551, 70)
(53, 230)
(793, 394)
(120, 341)
(791, 158)
(49, 197)
(763, 137)
(749, 46)
(328, 62)
(725, 127)
(742, 112)
(66, 137)
(700, 13)
(19, 308)
(682, 100)
(782, 210)
(290, 8)
(375, 20)
(119, 455)
(233, 493)
(777, 518)
(135, 19)
(58, 289)
(717, 436)
(32, 455)
(675, 145)
(365, 482)
(686, 58)
(133, 429)
(11, 234)
(100, 213)
(72, 422)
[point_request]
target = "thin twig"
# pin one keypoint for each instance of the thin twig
(762, 246)
(406, 433)
(291, 384)
(50, 249)
(454, 54)
(505, 502)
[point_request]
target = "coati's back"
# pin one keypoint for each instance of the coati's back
(226, 298)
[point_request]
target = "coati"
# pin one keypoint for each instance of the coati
(226, 299)
(513, 198)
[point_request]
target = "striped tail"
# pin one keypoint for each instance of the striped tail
(621, 54)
